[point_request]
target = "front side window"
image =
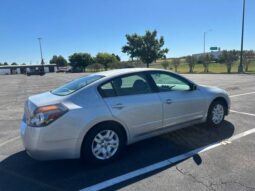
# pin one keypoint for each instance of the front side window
(166, 82)
(76, 85)
(127, 85)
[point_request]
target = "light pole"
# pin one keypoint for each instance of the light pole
(205, 33)
(240, 67)
(42, 62)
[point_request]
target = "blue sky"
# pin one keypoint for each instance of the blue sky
(100, 26)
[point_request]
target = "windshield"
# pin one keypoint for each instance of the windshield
(75, 85)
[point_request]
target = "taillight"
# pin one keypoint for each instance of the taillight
(43, 116)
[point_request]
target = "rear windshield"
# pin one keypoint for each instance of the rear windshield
(75, 85)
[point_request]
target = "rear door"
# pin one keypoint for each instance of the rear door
(132, 102)
(181, 104)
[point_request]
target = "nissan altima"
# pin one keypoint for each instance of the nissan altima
(95, 116)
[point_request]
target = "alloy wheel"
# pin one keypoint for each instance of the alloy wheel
(217, 114)
(105, 144)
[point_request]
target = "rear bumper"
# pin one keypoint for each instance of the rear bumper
(39, 147)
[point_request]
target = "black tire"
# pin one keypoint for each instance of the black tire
(86, 151)
(212, 122)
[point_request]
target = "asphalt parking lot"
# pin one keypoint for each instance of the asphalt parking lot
(195, 158)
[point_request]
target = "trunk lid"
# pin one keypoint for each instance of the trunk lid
(45, 98)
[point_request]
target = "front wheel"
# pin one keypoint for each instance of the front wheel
(103, 144)
(216, 114)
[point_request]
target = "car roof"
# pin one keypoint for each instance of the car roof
(108, 75)
(117, 72)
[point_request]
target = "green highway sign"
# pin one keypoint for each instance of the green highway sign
(214, 48)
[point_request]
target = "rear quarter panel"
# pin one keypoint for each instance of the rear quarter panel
(91, 110)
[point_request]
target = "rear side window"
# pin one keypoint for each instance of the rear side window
(107, 90)
(75, 85)
(126, 85)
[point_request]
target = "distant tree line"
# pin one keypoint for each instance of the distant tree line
(227, 57)
(12, 64)
(6, 64)
(146, 49)
(82, 61)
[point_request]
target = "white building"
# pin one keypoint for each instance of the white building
(23, 69)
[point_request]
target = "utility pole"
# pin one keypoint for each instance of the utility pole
(240, 67)
(204, 41)
(42, 62)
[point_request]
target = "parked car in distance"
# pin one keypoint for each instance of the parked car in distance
(95, 116)
(63, 69)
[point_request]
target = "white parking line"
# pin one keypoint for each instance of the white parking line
(159, 165)
(242, 94)
(10, 140)
(243, 113)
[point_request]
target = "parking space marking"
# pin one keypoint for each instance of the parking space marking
(242, 94)
(167, 162)
(10, 140)
(243, 113)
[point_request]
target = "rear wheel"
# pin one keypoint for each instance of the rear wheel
(103, 144)
(216, 113)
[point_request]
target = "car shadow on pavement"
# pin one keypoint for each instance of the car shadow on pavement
(20, 172)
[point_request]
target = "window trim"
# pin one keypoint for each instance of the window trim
(170, 74)
(100, 91)
(146, 77)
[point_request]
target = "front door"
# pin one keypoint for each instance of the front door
(132, 102)
(181, 104)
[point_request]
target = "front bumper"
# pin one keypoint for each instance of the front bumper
(39, 143)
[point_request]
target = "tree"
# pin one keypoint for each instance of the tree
(1, 64)
(176, 63)
(14, 64)
(165, 64)
(206, 61)
(105, 59)
(5, 63)
(134, 41)
(80, 60)
(228, 58)
(191, 60)
(147, 47)
(60, 61)
(117, 57)
(249, 56)
(23, 64)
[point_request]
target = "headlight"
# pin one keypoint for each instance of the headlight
(43, 116)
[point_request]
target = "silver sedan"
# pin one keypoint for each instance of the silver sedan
(95, 116)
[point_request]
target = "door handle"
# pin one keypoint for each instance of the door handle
(168, 101)
(118, 106)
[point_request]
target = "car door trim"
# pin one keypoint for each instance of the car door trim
(171, 128)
